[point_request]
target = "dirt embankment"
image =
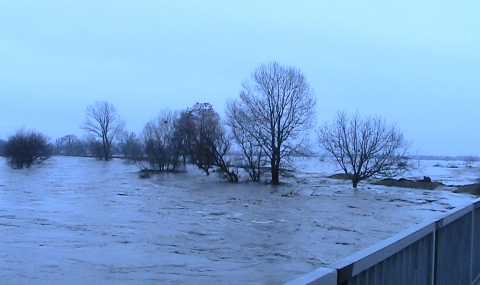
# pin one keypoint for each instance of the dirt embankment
(426, 184)
(473, 189)
(470, 189)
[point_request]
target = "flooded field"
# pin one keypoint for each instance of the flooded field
(82, 221)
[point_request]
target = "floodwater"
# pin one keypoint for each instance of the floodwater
(82, 221)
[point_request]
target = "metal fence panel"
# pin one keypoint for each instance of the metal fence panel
(410, 266)
(453, 251)
(476, 244)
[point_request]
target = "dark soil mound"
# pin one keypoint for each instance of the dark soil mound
(342, 176)
(470, 189)
(420, 184)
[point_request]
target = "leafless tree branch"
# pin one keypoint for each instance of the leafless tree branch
(365, 147)
(275, 110)
(103, 122)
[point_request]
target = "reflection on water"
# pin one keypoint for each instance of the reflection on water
(81, 221)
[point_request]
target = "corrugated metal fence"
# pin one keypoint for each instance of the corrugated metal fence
(442, 252)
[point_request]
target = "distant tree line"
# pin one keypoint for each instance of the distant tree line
(263, 129)
(71, 145)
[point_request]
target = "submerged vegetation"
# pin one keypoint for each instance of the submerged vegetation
(26, 147)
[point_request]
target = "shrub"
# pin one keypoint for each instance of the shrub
(2, 147)
(25, 148)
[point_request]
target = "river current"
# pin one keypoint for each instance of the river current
(81, 221)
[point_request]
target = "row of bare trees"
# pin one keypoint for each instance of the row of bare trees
(264, 127)
(195, 135)
(269, 123)
(72, 145)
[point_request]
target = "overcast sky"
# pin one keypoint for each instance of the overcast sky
(416, 63)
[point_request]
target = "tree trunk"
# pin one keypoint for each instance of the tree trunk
(106, 148)
(275, 175)
(275, 167)
(233, 177)
(355, 180)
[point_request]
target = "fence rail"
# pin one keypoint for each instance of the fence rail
(445, 251)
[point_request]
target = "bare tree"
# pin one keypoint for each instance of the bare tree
(206, 142)
(161, 149)
(25, 148)
(95, 148)
(275, 109)
(253, 156)
(223, 159)
(365, 147)
(104, 122)
(129, 145)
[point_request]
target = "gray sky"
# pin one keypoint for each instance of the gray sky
(416, 63)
